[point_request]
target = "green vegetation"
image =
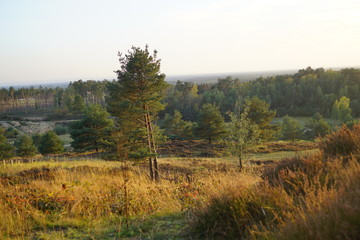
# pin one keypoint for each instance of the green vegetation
(291, 129)
(242, 134)
(296, 198)
(50, 143)
(93, 131)
(211, 124)
(6, 149)
(25, 147)
(135, 102)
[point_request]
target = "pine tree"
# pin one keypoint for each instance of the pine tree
(175, 127)
(291, 129)
(135, 99)
(211, 124)
(50, 143)
(6, 149)
(260, 114)
(25, 147)
(93, 131)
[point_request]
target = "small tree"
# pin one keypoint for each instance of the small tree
(36, 138)
(51, 143)
(291, 129)
(317, 126)
(211, 124)
(93, 131)
(6, 149)
(341, 110)
(25, 147)
(260, 114)
(242, 134)
(175, 127)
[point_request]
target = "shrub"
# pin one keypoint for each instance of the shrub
(232, 213)
(328, 214)
(343, 142)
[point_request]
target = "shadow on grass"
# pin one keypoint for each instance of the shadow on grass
(171, 226)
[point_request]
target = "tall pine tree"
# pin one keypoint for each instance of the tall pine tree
(135, 98)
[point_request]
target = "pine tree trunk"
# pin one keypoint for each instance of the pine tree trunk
(240, 158)
(147, 125)
(152, 145)
(156, 168)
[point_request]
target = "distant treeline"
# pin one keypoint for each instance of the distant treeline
(78, 92)
(302, 94)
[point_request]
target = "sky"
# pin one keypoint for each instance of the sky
(44, 41)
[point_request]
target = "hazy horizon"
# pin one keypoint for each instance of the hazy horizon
(55, 41)
(196, 78)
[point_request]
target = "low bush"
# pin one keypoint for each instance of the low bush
(235, 211)
(343, 142)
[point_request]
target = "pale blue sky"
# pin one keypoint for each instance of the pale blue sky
(61, 40)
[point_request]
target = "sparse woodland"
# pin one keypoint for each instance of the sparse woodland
(139, 158)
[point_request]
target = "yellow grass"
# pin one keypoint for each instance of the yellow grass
(85, 195)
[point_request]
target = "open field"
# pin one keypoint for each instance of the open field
(197, 198)
(107, 200)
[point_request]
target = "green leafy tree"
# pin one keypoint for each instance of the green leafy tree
(242, 134)
(211, 124)
(260, 114)
(25, 147)
(51, 143)
(6, 149)
(93, 131)
(291, 129)
(135, 99)
(175, 127)
(341, 110)
(317, 126)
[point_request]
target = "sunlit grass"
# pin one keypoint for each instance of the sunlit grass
(97, 198)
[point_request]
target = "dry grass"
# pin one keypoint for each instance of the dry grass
(59, 196)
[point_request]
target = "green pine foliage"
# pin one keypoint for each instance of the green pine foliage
(6, 149)
(93, 131)
(260, 114)
(51, 143)
(135, 101)
(25, 147)
(210, 123)
(176, 128)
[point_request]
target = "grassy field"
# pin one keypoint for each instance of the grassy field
(300, 193)
(197, 198)
(107, 200)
